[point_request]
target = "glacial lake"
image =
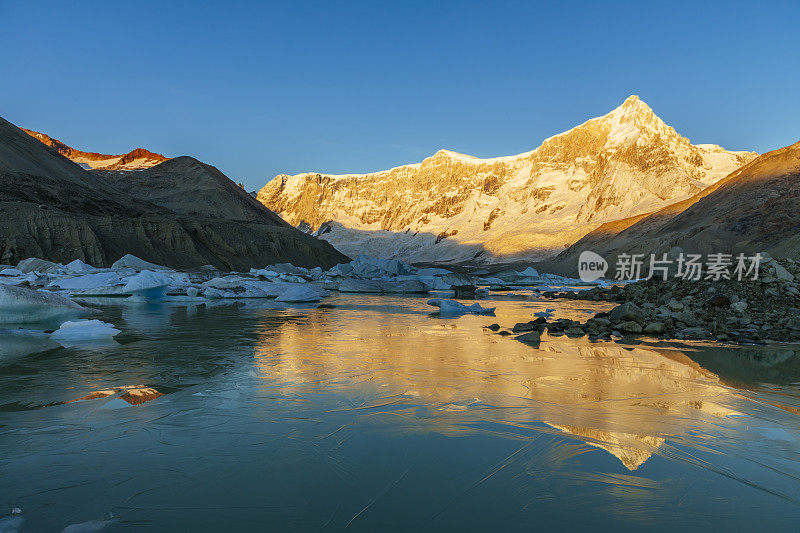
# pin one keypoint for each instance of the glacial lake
(371, 414)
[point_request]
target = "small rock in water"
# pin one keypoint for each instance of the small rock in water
(533, 337)
(464, 291)
(493, 327)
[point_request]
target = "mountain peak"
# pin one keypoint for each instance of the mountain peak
(134, 160)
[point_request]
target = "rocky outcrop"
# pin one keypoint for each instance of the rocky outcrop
(453, 207)
(53, 209)
(747, 310)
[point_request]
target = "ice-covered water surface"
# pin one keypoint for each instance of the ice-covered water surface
(373, 413)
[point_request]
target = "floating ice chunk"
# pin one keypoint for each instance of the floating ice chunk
(366, 266)
(12, 522)
(342, 269)
(89, 281)
(131, 261)
(88, 527)
(147, 285)
(191, 292)
(454, 308)
(79, 267)
(299, 293)
(529, 272)
(16, 343)
(84, 330)
(267, 273)
(383, 286)
(19, 305)
(11, 272)
(433, 272)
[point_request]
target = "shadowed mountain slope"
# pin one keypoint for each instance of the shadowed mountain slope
(756, 208)
(189, 187)
(53, 209)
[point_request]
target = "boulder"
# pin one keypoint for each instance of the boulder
(654, 327)
(631, 327)
(693, 333)
(627, 312)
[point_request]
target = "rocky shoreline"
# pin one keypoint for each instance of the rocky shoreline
(749, 311)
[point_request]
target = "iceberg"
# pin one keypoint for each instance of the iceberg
(529, 272)
(147, 285)
(79, 267)
(84, 330)
(381, 286)
(365, 266)
(299, 294)
(34, 264)
(19, 305)
(131, 261)
(89, 282)
(454, 308)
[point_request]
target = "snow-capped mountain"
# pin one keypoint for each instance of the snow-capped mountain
(454, 207)
(136, 159)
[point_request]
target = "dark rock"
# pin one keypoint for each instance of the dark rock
(464, 291)
(533, 337)
(627, 312)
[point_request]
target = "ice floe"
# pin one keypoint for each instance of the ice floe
(20, 305)
(84, 330)
(299, 294)
(147, 285)
(455, 308)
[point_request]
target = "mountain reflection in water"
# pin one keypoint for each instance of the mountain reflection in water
(373, 414)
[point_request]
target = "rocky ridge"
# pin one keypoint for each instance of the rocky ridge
(136, 159)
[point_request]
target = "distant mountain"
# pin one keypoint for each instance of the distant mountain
(133, 160)
(52, 208)
(754, 209)
(454, 207)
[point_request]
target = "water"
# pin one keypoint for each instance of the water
(374, 415)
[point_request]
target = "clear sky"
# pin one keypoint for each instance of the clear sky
(258, 88)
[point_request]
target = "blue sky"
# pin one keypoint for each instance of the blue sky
(259, 89)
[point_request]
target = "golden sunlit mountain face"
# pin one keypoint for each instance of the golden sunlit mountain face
(625, 400)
